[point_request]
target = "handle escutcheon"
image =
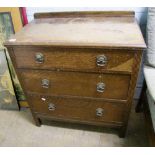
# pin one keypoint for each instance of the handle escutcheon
(51, 107)
(101, 60)
(100, 87)
(39, 58)
(45, 83)
(99, 112)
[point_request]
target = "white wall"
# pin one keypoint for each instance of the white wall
(140, 14)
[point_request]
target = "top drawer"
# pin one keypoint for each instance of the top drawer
(92, 60)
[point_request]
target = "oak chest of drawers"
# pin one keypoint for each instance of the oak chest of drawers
(79, 66)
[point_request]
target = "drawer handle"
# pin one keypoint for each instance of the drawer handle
(101, 60)
(100, 87)
(39, 57)
(99, 112)
(45, 83)
(51, 106)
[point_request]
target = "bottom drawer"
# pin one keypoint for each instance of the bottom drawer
(78, 109)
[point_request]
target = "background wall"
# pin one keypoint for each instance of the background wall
(140, 14)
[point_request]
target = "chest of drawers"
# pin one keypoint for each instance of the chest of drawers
(79, 66)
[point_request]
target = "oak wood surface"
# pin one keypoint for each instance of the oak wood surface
(116, 125)
(133, 81)
(76, 84)
(74, 59)
(75, 14)
(108, 32)
(70, 43)
(78, 109)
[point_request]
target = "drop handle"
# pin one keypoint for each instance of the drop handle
(51, 107)
(45, 83)
(39, 58)
(99, 112)
(100, 87)
(101, 60)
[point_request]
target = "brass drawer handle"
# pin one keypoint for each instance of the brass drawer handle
(51, 106)
(101, 60)
(100, 87)
(99, 112)
(39, 58)
(45, 83)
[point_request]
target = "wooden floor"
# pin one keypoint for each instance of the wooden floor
(18, 129)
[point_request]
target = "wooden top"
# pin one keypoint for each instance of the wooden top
(81, 29)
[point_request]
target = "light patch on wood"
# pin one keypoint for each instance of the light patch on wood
(124, 66)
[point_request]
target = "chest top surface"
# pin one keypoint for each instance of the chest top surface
(97, 29)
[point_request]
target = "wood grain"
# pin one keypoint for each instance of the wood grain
(106, 32)
(78, 109)
(84, 14)
(133, 81)
(70, 43)
(76, 84)
(74, 59)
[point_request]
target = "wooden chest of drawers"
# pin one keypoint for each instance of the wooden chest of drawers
(79, 66)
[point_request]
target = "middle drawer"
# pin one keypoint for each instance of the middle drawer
(110, 86)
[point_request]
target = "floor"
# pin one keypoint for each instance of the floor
(18, 129)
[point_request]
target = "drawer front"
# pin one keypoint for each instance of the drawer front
(76, 84)
(79, 109)
(92, 60)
